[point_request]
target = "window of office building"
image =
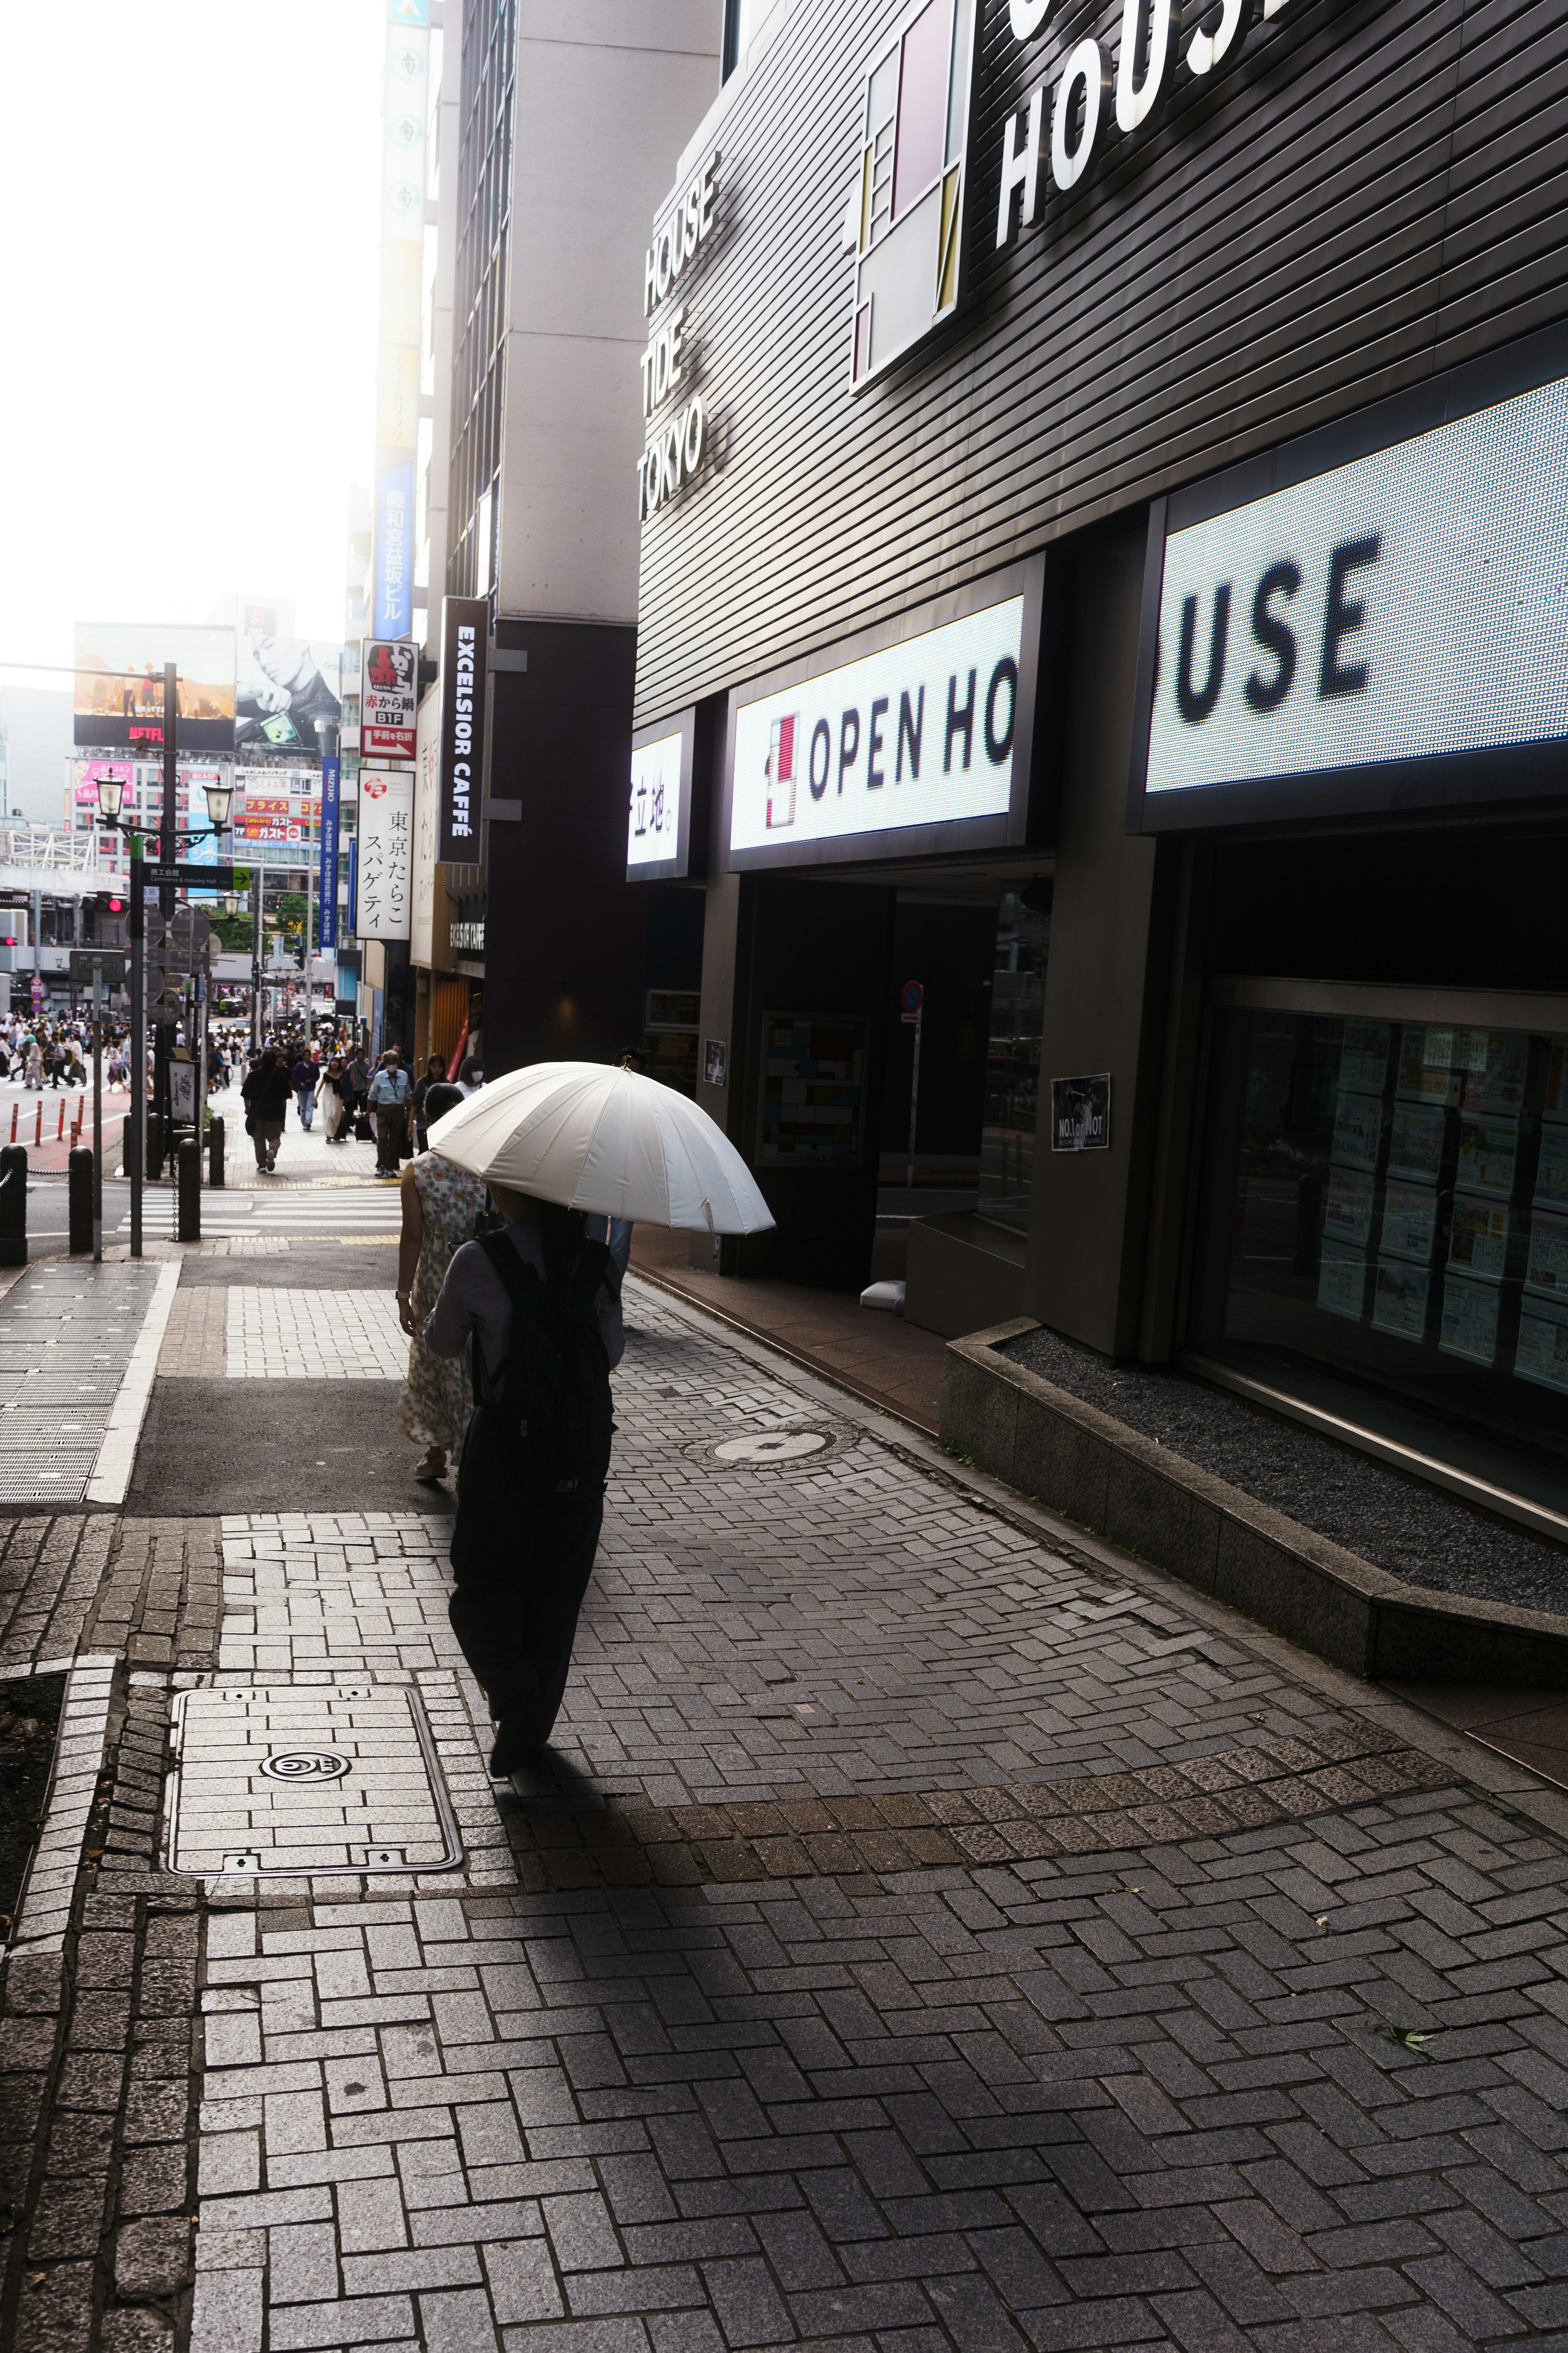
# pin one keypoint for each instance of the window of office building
(483, 231)
(1013, 1057)
(1385, 1227)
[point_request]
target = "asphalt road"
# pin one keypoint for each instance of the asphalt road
(280, 1446)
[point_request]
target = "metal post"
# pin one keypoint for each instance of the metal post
(98, 1110)
(138, 1118)
(255, 943)
(914, 1097)
(199, 981)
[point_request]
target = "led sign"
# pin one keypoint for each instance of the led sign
(928, 732)
(1410, 605)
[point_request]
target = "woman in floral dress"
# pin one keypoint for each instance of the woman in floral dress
(442, 1205)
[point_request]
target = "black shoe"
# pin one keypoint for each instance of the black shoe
(511, 1752)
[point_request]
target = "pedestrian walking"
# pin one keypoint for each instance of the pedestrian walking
(541, 1307)
(333, 1093)
(434, 1075)
(470, 1078)
(304, 1075)
(389, 1097)
(442, 1207)
(266, 1098)
(359, 1083)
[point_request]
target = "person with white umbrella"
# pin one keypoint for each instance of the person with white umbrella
(540, 1304)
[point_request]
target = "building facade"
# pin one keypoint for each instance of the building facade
(558, 129)
(1101, 617)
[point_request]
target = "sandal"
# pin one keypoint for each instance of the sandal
(424, 1470)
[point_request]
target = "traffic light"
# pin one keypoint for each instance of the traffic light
(103, 919)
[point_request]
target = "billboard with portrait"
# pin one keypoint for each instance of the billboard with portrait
(283, 686)
(119, 702)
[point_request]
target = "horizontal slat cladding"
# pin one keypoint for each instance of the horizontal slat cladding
(1360, 195)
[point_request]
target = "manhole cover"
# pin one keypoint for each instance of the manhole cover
(295, 1779)
(773, 1445)
(793, 1446)
(306, 1765)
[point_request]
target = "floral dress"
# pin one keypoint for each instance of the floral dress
(437, 1397)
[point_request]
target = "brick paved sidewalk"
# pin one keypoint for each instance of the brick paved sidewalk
(933, 1933)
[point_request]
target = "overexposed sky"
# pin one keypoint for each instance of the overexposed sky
(188, 220)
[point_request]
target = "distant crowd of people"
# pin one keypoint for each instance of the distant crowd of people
(357, 1101)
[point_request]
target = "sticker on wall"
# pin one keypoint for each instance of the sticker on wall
(1080, 1113)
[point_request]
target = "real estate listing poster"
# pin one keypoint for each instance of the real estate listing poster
(1409, 1224)
(1348, 1204)
(1542, 1354)
(1358, 1131)
(1426, 1066)
(1364, 1057)
(1416, 1136)
(1469, 1320)
(1478, 1243)
(1488, 1154)
(1342, 1284)
(1547, 1268)
(1401, 1298)
(1551, 1169)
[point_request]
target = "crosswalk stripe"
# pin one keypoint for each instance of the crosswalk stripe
(330, 1211)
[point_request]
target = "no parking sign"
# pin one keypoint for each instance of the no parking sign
(914, 998)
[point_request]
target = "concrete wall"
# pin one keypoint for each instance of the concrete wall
(608, 95)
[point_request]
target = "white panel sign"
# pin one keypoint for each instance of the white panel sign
(426, 832)
(921, 733)
(385, 853)
(653, 825)
(1411, 603)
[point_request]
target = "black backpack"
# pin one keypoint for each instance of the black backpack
(541, 1426)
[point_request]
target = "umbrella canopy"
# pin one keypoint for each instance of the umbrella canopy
(606, 1141)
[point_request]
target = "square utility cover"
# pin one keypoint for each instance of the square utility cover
(295, 1777)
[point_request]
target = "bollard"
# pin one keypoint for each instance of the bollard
(215, 1155)
(188, 1180)
(78, 1201)
(13, 1205)
(155, 1145)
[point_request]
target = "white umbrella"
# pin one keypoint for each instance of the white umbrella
(607, 1141)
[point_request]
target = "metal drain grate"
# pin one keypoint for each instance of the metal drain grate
(63, 1429)
(306, 1778)
(61, 1479)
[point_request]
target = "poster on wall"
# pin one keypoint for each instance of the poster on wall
(1080, 1113)
(386, 841)
(284, 689)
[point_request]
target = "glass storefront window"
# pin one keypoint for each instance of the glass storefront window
(1012, 1062)
(1386, 1207)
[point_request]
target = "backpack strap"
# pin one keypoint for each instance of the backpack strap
(516, 1280)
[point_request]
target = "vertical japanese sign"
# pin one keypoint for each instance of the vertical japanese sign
(405, 95)
(465, 643)
(426, 824)
(328, 933)
(385, 853)
(389, 696)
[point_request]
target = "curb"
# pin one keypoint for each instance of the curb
(1135, 1492)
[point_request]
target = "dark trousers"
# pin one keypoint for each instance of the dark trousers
(391, 1127)
(514, 1610)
